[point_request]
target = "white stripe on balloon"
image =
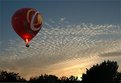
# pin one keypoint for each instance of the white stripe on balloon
(32, 22)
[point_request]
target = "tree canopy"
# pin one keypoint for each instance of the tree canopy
(10, 77)
(106, 72)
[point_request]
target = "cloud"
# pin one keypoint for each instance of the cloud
(111, 54)
(62, 19)
(62, 48)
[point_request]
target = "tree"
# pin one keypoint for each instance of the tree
(44, 79)
(106, 72)
(117, 79)
(73, 78)
(53, 79)
(10, 77)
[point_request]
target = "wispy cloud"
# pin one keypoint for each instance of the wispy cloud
(109, 54)
(63, 48)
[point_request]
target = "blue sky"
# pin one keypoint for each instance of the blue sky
(75, 11)
(73, 32)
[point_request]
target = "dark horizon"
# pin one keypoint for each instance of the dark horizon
(99, 73)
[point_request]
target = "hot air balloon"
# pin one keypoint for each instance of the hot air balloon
(27, 22)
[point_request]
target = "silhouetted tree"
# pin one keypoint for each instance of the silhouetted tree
(44, 79)
(106, 72)
(71, 79)
(117, 79)
(53, 79)
(10, 77)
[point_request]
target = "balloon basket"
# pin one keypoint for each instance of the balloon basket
(27, 45)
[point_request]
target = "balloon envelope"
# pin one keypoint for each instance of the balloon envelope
(27, 22)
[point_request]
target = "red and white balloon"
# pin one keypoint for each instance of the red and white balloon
(27, 22)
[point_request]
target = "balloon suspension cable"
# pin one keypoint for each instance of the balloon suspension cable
(27, 42)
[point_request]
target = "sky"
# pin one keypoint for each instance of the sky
(75, 35)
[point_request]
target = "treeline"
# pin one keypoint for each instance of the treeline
(106, 72)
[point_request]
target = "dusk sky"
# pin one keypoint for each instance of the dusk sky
(76, 34)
